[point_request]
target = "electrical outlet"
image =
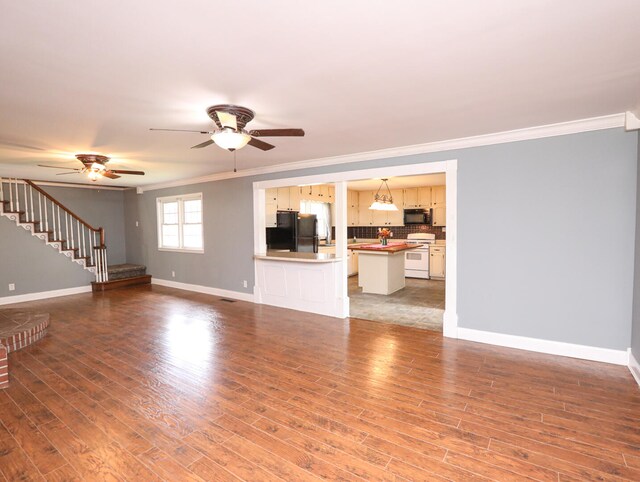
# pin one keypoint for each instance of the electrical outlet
(137, 224)
(173, 274)
(12, 287)
(244, 283)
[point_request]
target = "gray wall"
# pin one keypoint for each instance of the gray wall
(635, 332)
(34, 267)
(532, 257)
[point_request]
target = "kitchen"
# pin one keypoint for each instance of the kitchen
(419, 232)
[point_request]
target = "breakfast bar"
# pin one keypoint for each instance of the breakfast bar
(381, 267)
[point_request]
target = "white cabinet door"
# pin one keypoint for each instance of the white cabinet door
(378, 218)
(283, 199)
(438, 196)
(271, 208)
(410, 198)
(437, 258)
(331, 190)
(352, 215)
(439, 216)
(365, 215)
(294, 198)
(424, 197)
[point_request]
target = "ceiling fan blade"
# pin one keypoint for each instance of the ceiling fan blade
(204, 144)
(227, 120)
(58, 167)
(65, 173)
(120, 171)
(277, 133)
(110, 175)
(265, 146)
(181, 130)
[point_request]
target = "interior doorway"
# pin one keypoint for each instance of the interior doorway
(334, 282)
(406, 213)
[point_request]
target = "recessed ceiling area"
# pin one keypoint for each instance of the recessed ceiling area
(357, 76)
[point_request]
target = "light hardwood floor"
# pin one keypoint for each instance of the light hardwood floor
(153, 383)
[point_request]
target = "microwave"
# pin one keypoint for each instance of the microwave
(417, 216)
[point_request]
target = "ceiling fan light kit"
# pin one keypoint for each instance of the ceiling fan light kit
(229, 132)
(229, 139)
(94, 165)
(383, 202)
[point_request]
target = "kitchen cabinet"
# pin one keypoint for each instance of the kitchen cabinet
(424, 197)
(365, 215)
(416, 197)
(320, 192)
(437, 261)
(352, 260)
(438, 196)
(352, 208)
(288, 198)
(410, 198)
(439, 216)
(271, 208)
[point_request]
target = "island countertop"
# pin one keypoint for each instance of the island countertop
(390, 248)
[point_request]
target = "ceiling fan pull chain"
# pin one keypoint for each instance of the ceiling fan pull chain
(234, 162)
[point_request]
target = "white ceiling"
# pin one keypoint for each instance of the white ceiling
(357, 75)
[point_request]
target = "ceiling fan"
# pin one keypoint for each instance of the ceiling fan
(230, 132)
(95, 166)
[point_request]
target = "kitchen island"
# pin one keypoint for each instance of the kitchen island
(381, 267)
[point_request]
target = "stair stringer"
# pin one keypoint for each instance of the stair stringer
(57, 245)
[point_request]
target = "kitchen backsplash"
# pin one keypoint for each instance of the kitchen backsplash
(399, 232)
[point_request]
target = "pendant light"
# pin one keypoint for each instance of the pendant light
(383, 202)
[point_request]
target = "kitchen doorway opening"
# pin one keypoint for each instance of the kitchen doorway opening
(328, 292)
(397, 255)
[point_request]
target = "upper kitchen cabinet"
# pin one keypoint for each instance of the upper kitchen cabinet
(416, 197)
(365, 215)
(352, 208)
(424, 197)
(410, 198)
(439, 216)
(320, 192)
(438, 196)
(271, 208)
(288, 198)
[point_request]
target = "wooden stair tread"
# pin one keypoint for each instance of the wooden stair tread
(120, 283)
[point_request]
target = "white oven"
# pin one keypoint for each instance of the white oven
(416, 261)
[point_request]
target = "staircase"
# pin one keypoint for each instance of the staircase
(36, 211)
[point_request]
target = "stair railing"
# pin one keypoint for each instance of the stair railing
(35, 208)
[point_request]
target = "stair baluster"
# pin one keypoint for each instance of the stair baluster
(82, 243)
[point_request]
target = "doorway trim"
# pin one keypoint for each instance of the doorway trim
(449, 167)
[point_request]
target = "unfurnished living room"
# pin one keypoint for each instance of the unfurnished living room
(339, 240)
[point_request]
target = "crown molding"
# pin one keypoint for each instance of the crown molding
(72, 185)
(538, 132)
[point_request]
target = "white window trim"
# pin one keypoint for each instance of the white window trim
(159, 218)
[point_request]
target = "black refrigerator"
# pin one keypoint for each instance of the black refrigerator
(295, 232)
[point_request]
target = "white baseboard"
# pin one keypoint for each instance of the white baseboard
(606, 355)
(634, 367)
(6, 300)
(236, 295)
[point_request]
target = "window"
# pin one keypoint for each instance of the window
(180, 223)
(323, 214)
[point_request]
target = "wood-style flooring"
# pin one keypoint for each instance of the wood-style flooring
(153, 383)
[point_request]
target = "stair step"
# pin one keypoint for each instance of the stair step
(128, 270)
(121, 283)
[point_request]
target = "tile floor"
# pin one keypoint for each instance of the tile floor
(420, 304)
